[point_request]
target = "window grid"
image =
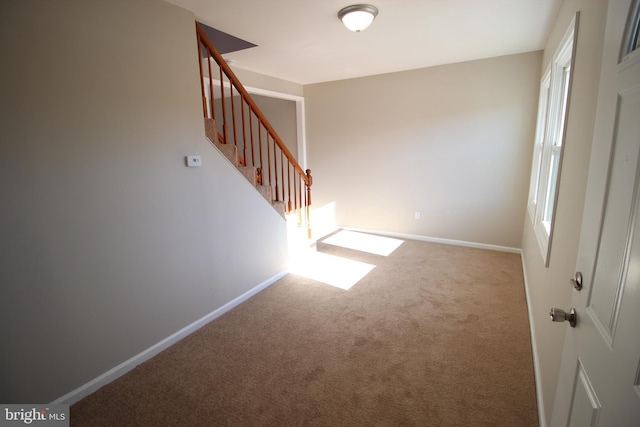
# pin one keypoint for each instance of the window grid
(543, 109)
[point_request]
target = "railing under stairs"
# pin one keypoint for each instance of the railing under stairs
(237, 121)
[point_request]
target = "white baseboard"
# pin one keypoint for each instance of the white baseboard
(126, 366)
(534, 349)
(436, 240)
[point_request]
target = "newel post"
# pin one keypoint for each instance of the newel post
(309, 182)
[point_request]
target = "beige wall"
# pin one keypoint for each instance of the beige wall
(252, 79)
(549, 287)
(452, 142)
(109, 243)
(281, 113)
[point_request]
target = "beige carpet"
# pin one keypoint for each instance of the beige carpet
(432, 335)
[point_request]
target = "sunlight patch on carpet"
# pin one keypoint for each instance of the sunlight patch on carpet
(339, 272)
(364, 242)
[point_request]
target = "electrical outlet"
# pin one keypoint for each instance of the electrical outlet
(417, 215)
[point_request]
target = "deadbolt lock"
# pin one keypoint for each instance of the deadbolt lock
(577, 281)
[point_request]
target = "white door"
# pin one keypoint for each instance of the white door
(599, 382)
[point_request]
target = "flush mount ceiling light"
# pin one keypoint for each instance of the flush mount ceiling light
(358, 16)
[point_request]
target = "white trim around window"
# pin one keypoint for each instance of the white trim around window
(553, 111)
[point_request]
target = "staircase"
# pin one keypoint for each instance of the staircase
(251, 173)
(239, 129)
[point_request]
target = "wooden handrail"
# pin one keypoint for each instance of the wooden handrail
(202, 36)
(277, 171)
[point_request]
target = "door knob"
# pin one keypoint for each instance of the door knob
(577, 282)
(558, 315)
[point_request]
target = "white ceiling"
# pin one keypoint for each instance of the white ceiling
(304, 42)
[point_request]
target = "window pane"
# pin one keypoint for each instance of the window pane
(631, 38)
(551, 187)
(541, 131)
(566, 72)
(538, 162)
